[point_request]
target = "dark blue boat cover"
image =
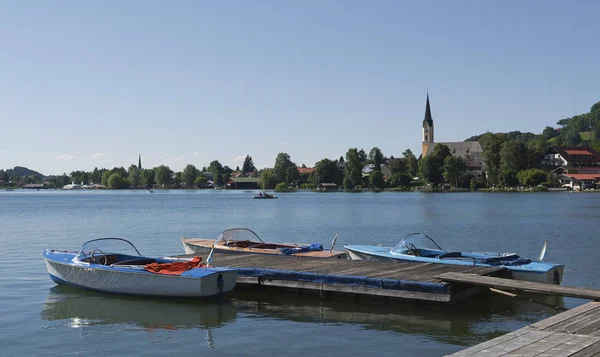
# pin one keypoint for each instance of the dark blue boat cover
(310, 248)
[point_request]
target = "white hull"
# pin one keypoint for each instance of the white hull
(195, 249)
(140, 283)
(537, 277)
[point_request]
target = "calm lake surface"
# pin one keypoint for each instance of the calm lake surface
(40, 318)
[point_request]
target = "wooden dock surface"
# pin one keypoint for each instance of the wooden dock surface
(403, 280)
(519, 285)
(574, 333)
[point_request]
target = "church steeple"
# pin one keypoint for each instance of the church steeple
(427, 129)
(428, 119)
(139, 161)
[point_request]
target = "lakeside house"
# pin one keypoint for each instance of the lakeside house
(243, 183)
(327, 186)
(580, 181)
(35, 186)
(572, 159)
(368, 170)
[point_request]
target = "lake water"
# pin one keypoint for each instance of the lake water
(40, 318)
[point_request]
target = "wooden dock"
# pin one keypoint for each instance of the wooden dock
(574, 333)
(329, 278)
(519, 285)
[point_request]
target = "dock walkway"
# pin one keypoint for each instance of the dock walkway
(573, 333)
(402, 280)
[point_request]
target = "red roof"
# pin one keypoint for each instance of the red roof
(584, 176)
(305, 170)
(578, 152)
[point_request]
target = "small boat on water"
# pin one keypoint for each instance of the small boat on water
(244, 240)
(418, 247)
(114, 265)
(264, 195)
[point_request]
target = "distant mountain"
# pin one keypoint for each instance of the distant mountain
(23, 171)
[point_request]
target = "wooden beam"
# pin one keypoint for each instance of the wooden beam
(519, 285)
(400, 294)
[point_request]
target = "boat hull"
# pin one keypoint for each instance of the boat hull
(138, 281)
(535, 272)
(205, 246)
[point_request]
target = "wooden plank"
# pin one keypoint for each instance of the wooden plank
(520, 342)
(591, 350)
(477, 349)
(592, 329)
(574, 324)
(551, 321)
(540, 346)
(527, 286)
(570, 347)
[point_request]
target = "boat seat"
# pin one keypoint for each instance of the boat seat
(450, 255)
(140, 261)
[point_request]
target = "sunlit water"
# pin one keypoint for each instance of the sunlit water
(39, 318)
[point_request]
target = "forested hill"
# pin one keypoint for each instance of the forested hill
(574, 131)
(18, 172)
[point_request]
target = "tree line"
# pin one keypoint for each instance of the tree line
(511, 159)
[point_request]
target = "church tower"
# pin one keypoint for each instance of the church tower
(427, 129)
(139, 161)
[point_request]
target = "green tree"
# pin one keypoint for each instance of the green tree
(325, 171)
(268, 180)
(595, 107)
(163, 176)
(177, 180)
(80, 176)
(117, 181)
(214, 166)
(353, 170)
(508, 178)
(135, 176)
(201, 181)
(362, 157)
(514, 156)
(105, 177)
(189, 175)
(402, 180)
(552, 180)
(398, 166)
(227, 170)
(282, 163)
(430, 170)
(491, 145)
(531, 177)
(147, 178)
(454, 168)
(412, 164)
(248, 165)
(4, 176)
(440, 153)
(96, 176)
(376, 157)
(549, 133)
(218, 179)
(281, 187)
(291, 174)
(376, 179)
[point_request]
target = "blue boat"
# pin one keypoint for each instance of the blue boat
(418, 247)
(114, 265)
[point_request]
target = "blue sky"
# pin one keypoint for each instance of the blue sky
(94, 83)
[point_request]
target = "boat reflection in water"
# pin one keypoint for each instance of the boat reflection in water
(81, 308)
(467, 324)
